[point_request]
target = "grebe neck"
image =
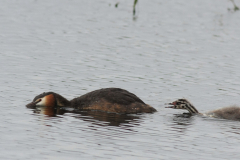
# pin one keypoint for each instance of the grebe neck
(191, 108)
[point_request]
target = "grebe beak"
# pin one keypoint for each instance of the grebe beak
(33, 104)
(171, 105)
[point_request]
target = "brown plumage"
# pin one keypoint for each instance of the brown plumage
(114, 100)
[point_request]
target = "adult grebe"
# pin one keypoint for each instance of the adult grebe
(113, 100)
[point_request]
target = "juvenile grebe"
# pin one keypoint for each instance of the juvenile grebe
(232, 112)
(113, 100)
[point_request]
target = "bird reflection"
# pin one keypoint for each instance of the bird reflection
(182, 121)
(50, 111)
(113, 119)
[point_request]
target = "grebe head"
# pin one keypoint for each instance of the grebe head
(182, 104)
(43, 100)
(178, 104)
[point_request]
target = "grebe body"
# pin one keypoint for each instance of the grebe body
(231, 112)
(113, 100)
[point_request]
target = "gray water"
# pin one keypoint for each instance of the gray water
(171, 49)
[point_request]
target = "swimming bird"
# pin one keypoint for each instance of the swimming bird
(114, 100)
(231, 112)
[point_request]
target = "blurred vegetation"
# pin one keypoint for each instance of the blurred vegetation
(134, 6)
(136, 1)
(235, 6)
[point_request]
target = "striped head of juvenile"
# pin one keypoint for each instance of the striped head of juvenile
(182, 104)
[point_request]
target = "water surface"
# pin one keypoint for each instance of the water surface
(171, 50)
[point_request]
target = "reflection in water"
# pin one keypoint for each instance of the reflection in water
(228, 126)
(50, 111)
(182, 121)
(113, 119)
(234, 129)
